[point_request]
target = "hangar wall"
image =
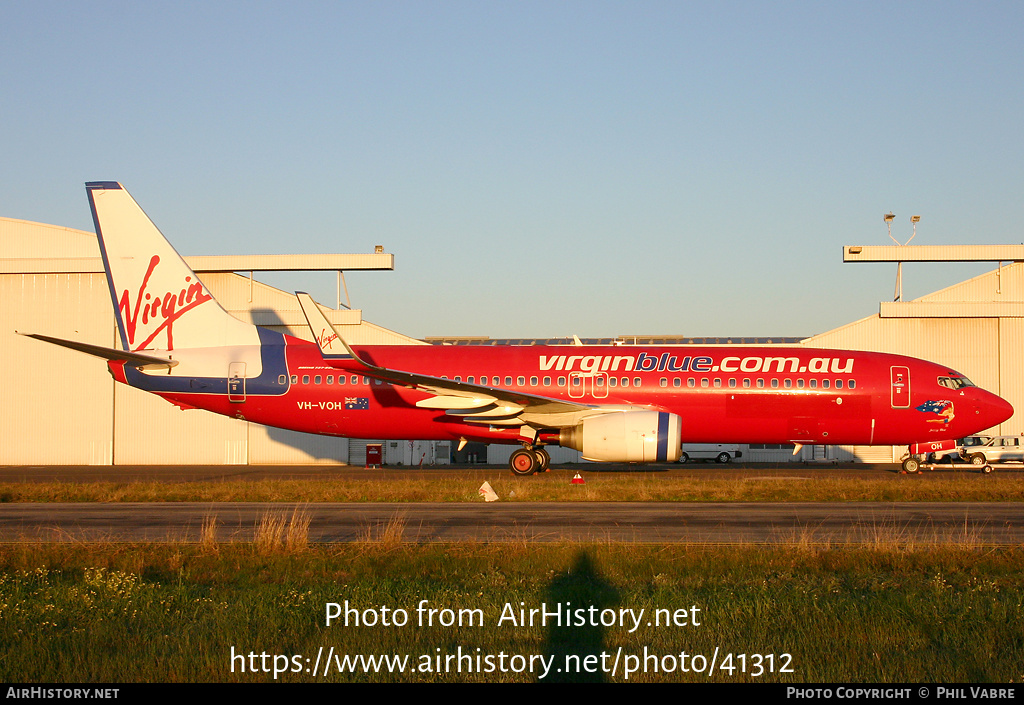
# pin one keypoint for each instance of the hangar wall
(54, 410)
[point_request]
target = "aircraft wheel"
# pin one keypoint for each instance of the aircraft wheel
(723, 458)
(987, 469)
(978, 459)
(543, 459)
(911, 466)
(523, 462)
(684, 458)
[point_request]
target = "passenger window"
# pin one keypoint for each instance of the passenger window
(508, 381)
(295, 379)
(318, 380)
(691, 382)
(839, 384)
(282, 379)
(636, 381)
(676, 382)
(330, 379)
(561, 381)
(625, 381)
(824, 384)
(533, 381)
(788, 383)
(760, 384)
(663, 382)
(305, 379)
(547, 381)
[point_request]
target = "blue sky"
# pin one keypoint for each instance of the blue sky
(538, 169)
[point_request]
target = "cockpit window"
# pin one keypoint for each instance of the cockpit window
(955, 382)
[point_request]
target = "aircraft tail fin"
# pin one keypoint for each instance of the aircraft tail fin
(158, 300)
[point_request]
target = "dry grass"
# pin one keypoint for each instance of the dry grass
(276, 531)
(208, 534)
(388, 534)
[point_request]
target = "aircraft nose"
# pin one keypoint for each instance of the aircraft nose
(994, 409)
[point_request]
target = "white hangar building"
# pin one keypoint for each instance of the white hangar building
(63, 408)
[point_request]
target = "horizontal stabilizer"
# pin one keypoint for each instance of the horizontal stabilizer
(135, 359)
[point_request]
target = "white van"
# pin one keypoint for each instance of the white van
(719, 452)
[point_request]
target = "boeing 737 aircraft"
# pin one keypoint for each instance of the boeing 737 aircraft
(619, 404)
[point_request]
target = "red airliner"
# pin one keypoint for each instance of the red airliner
(612, 403)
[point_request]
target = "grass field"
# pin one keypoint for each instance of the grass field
(207, 613)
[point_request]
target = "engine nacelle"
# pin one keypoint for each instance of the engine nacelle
(626, 437)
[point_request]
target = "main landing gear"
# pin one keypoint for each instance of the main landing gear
(527, 461)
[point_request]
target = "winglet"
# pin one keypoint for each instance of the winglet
(323, 332)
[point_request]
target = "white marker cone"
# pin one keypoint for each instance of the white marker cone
(488, 493)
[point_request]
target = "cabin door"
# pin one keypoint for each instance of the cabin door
(236, 382)
(899, 377)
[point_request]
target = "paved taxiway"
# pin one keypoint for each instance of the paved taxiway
(918, 523)
(914, 523)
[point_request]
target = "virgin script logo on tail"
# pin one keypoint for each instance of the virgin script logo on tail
(158, 310)
(326, 340)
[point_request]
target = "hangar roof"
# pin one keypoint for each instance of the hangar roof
(38, 248)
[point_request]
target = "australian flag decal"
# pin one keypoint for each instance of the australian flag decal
(943, 411)
(357, 403)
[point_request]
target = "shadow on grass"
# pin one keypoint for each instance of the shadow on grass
(576, 648)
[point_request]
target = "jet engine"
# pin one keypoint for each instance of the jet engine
(626, 437)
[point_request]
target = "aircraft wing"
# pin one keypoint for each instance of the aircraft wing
(471, 401)
(135, 359)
